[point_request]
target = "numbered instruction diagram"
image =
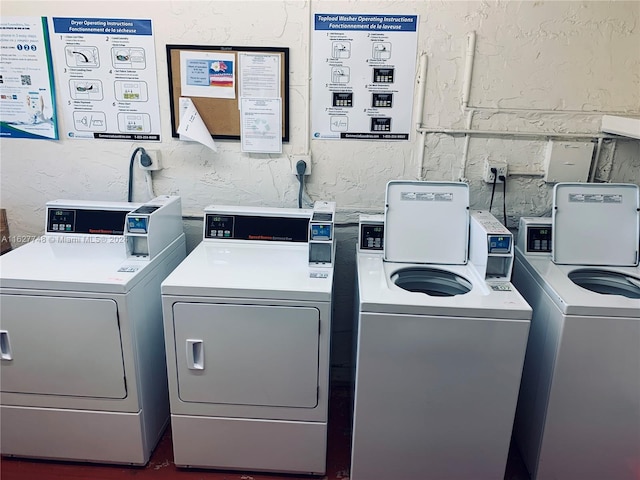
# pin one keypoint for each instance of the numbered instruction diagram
(107, 81)
(363, 76)
(27, 102)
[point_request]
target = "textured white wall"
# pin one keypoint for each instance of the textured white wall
(530, 57)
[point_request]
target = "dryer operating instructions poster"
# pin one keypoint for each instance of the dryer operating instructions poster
(107, 78)
(363, 76)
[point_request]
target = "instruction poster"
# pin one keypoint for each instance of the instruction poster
(363, 76)
(108, 81)
(27, 93)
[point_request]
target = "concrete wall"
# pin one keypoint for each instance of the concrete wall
(538, 67)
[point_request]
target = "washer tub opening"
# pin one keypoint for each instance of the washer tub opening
(606, 282)
(431, 281)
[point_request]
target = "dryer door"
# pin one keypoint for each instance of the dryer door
(61, 346)
(247, 354)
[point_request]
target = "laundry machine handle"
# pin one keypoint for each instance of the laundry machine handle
(5, 346)
(195, 354)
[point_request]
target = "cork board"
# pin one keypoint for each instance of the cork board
(222, 115)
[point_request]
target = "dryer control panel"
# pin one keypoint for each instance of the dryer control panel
(92, 221)
(256, 227)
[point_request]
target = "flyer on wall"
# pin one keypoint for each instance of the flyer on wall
(363, 76)
(27, 93)
(108, 81)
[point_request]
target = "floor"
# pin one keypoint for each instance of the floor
(161, 466)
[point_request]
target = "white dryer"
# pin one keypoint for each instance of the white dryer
(247, 326)
(82, 350)
(578, 412)
(440, 341)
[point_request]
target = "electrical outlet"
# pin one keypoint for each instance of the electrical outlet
(294, 159)
(501, 169)
(155, 160)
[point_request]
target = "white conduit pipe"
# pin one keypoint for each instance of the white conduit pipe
(422, 87)
(465, 150)
(307, 133)
(468, 68)
(466, 92)
(497, 133)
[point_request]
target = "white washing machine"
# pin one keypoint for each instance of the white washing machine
(82, 350)
(247, 327)
(440, 342)
(578, 412)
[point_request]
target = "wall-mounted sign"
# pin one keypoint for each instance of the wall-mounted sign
(108, 78)
(363, 76)
(27, 94)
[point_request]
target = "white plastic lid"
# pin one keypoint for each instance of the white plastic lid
(596, 224)
(426, 222)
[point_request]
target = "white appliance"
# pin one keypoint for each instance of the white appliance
(440, 341)
(578, 412)
(247, 322)
(82, 350)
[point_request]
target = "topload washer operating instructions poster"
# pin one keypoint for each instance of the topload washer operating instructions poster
(363, 75)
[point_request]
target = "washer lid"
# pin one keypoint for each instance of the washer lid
(596, 224)
(426, 222)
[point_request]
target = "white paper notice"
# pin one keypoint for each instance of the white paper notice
(205, 74)
(261, 125)
(259, 75)
(192, 126)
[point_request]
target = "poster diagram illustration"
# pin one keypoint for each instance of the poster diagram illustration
(88, 57)
(89, 89)
(128, 58)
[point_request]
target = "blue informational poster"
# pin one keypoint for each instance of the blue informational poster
(27, 94)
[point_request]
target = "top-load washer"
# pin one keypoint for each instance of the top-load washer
(82, 350)
(578, 412)
(247, 326)
(441, 339)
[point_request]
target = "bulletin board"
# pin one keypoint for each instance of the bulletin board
(222, 115)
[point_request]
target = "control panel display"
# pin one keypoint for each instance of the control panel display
(371, 237)
(342, 99)
(252, 227)
(382, 100)
(137, 224)
(499, 244)
(219, 226)
(381, 124)
(80, 220)
(383, 75)
(320, 232)
(539, 239)
(62, 221)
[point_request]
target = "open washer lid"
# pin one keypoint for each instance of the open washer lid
(426, 222)
(596, 224)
